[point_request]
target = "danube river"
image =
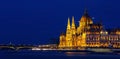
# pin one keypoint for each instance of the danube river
(29, 54)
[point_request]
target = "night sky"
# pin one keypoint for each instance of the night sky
(42, 21)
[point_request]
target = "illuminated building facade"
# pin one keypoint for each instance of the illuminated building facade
(88, 34)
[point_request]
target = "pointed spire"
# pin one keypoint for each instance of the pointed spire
(68, 25)
(73, 26)
(73, 22)
(85, 11)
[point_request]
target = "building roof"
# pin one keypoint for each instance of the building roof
(85, 17)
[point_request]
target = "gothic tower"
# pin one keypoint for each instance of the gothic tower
(73, 28)
(68, 34)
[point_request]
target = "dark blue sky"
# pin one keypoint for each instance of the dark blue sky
(36, 22)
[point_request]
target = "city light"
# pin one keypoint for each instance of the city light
(88, 34)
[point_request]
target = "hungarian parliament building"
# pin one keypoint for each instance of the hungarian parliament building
(88, 34)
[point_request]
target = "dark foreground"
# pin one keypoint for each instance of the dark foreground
(29, 54)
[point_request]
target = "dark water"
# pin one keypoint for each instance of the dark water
(28, 54)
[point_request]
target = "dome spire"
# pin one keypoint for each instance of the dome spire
(85, 11)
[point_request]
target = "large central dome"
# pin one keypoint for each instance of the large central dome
(84, 22)
(86, 18)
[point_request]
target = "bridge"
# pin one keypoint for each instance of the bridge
(16, 47)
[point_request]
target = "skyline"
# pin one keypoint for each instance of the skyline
(88, 34)
(23, 22)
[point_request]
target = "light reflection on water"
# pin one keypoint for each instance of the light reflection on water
(118, 53)
(76, 53)
(55, 54)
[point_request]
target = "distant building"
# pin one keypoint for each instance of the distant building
(88, 34)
